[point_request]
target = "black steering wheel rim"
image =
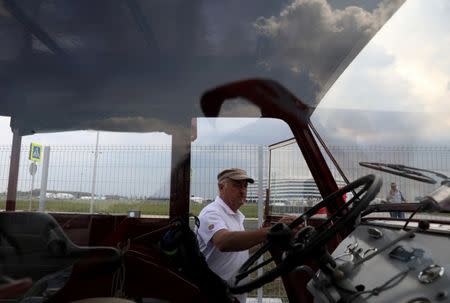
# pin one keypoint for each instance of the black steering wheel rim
(370, 184)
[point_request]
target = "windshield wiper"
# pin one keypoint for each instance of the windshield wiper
(438, 200)
(406, 171)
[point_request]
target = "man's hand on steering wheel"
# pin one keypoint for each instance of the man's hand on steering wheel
(288, 221)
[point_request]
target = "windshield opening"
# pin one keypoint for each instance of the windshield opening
(91, 172)
(391, 104)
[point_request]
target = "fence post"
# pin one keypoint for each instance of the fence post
(44, 178)
(94, 175)
(260, 207)
(33, 169)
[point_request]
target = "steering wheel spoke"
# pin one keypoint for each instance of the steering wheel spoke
(242, 275)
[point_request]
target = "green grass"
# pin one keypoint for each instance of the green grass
(156, 208)
(274, 289)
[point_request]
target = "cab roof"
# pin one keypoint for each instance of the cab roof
(142, 66)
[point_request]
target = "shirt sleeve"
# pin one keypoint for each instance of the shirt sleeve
(210, 223)
(389, 197)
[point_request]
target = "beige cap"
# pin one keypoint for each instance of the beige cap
(234, 174)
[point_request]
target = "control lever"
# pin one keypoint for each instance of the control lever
(352, 250)
(438, 200)
(348, 267)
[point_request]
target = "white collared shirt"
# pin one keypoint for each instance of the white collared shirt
(214, 217)
(395, 196)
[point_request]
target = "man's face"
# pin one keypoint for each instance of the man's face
(234, 193)
(393, 186)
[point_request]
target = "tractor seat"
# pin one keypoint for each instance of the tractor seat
(32, 244)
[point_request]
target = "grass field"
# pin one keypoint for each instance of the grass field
(156, 208)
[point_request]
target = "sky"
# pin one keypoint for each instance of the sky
(398, 88)
(399, 83)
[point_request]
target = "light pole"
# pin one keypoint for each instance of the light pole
(33, 169)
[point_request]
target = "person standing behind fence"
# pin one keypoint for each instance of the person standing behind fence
(221, 235)
(395, 196)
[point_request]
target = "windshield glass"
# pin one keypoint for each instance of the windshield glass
(392, 104)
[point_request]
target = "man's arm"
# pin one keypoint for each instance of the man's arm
(226, 240)
(389, 197)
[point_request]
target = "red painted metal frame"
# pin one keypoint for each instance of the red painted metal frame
(180, 175)
(14, 288)
(277, 102)
(316, 164)
(13, 171)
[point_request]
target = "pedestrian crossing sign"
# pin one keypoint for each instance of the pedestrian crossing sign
(35, 152)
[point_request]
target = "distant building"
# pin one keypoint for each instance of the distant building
(198, 200)
(60, 196)
(95, 198)
(289, 191)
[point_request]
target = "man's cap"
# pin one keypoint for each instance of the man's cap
(236, 174)
(393, 184)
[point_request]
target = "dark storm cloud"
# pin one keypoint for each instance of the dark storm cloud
(310, 36)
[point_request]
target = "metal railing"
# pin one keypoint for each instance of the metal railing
(130, 173)
(127, 172)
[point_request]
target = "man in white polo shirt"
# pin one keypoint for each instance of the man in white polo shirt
(221, 235)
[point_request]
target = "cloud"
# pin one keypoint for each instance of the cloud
(82, 138)
(397, 89)
(5, 131)
(310, 36)
(421, 55)
(242, 131)
(368, 127)
(239, 108)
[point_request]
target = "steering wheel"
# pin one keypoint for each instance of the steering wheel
(308, 240)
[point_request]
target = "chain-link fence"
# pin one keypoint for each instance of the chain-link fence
(141, 174)
(293, 188)
(128, 172)
(436, 158)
